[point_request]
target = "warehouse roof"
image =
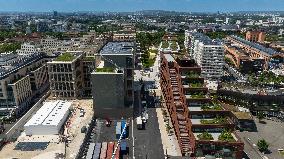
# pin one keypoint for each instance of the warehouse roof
(51, 113)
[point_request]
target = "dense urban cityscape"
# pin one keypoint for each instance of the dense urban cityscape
(148, 84)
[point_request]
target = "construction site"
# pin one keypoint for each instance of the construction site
(39, 144)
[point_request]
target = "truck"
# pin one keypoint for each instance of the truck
(139, 123)
(124, 133)
(118, 130)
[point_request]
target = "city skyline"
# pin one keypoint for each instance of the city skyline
(137, 5)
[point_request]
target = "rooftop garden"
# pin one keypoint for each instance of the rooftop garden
(214, 106)
(65, 57)
(165, 44)
(105, 69)
(174, 45)
(216, 120)
(192, 74)
(196, 85)
(226, 136)
(197, 95)
(205, 136)
(89, 58)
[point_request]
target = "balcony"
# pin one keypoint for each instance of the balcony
(197, 95)
(211, 121)
(192, 75)
(224, 136)
(212, 107)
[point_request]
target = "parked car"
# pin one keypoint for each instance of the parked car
(108, 122)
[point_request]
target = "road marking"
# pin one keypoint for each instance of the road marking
(133, 147)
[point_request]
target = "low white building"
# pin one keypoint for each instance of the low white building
(49, 119)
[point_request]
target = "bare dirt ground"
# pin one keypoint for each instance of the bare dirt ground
(56, 149)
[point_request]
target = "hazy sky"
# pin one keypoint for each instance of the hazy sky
(134, 5)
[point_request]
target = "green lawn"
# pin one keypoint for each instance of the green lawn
(105, 69)
(65, 57)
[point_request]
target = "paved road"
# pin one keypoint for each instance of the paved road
(148, 142)
(235, 73)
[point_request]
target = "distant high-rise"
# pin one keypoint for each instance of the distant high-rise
(55, 13)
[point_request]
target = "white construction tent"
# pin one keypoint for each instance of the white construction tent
(49, 119)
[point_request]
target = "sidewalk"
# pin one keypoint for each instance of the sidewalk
(170, 143)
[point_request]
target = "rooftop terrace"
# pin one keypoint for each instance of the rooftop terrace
(65, 57)
(117, 48)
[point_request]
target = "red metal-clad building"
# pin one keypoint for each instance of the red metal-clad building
(202, 125)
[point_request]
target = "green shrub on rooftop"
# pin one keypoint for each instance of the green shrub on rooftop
(65, 57)
(105, 69)
(216, 120)
(205, 136)
(226, 135)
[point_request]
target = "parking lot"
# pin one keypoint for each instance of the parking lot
(102, 133)
(272, 132)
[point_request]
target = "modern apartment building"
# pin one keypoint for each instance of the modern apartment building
(22, 77)
(241, 60)
(66, 75)
(254, 50)
(29, 48)
(112, 81)
(202, 126)
(209, 54)
(127, 33)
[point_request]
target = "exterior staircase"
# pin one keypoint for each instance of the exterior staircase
(181, 116)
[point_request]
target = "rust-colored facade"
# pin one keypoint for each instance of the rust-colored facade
(185, 95)
(255, 36)
(253, 51)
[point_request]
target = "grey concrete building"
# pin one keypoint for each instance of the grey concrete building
(113, 81)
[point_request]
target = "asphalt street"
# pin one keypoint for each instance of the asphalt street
(148, 143)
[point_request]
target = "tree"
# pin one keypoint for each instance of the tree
(262, 145)
(260, 116)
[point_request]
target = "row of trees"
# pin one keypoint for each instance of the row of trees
(265, 78)
(7, 47)
(146, 40)
(4, 34)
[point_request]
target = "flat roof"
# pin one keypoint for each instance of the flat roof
(215, 136)
(169, 57)
(118, 48)
(243, 115)
(51, 113)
